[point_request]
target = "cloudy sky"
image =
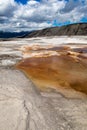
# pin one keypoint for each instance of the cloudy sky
(27, 15)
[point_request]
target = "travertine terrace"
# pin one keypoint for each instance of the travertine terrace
(23, 104)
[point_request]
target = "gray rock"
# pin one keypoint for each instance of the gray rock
(72, 29)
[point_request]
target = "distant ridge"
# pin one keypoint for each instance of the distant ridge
(13, 34)
(72, 29)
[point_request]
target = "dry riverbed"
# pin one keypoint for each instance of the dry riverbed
(25, 107)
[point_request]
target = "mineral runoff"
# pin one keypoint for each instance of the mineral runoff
(60, 68)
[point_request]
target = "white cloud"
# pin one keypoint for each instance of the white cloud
(7, 7)
(36, 15)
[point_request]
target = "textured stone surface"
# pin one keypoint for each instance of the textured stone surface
(23, 107)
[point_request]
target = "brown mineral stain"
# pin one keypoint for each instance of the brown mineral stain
(64, 72)
(62, 68)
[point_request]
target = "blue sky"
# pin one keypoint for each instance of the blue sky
(27, 15)
(24, 1)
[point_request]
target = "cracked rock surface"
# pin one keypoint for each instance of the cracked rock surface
(23, 107)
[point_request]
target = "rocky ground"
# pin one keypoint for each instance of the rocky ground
(23, 107)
